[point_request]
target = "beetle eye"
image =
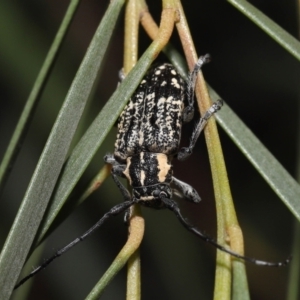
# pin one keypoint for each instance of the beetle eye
(155, 193)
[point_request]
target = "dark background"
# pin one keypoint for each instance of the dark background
(253, 74)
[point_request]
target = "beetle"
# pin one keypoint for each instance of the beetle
(149, 133)
(148, 138)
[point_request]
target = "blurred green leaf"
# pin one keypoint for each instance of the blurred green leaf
(50, 163)
(283, 38)
(37, 89)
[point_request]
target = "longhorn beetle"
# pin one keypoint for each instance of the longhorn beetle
(149, 132)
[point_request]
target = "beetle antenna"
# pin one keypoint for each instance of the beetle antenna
(116, 210)
(173, 206)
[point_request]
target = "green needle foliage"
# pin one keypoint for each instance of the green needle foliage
(255, 69)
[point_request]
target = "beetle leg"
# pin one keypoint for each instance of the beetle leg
(186, 190)
(188, 112)
(187, 151)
